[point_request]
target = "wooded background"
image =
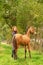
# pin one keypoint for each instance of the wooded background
(21, 13)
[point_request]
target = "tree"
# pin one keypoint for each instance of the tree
(21, 13)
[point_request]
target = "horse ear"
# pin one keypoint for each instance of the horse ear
(27, 28)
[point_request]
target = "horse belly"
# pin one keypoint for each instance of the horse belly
(26, 40)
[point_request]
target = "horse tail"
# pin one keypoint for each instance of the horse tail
(14, 42)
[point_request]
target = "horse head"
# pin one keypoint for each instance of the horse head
(31, 30)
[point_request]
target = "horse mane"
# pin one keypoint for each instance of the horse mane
(27, 28)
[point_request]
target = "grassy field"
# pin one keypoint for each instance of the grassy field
(6, 59)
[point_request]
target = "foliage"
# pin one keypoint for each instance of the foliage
(21, 13)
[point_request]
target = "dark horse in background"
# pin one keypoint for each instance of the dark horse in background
(19, 39)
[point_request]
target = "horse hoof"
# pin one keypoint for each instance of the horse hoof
(12, 56)
(15, 58)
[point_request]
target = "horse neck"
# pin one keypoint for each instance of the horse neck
(28, 33)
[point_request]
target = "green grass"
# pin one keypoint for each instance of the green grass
(6, 59)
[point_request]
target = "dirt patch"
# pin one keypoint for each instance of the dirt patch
(1, 49)
(5, 43)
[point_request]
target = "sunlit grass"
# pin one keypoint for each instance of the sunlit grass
(6, 59)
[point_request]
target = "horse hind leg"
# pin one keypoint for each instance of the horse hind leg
(29, 51)
(14, 52)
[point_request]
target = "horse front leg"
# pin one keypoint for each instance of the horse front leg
(25, 51)
(29, 50)
(16, 53)
(12, 53)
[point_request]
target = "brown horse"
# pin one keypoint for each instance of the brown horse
(19, 39)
